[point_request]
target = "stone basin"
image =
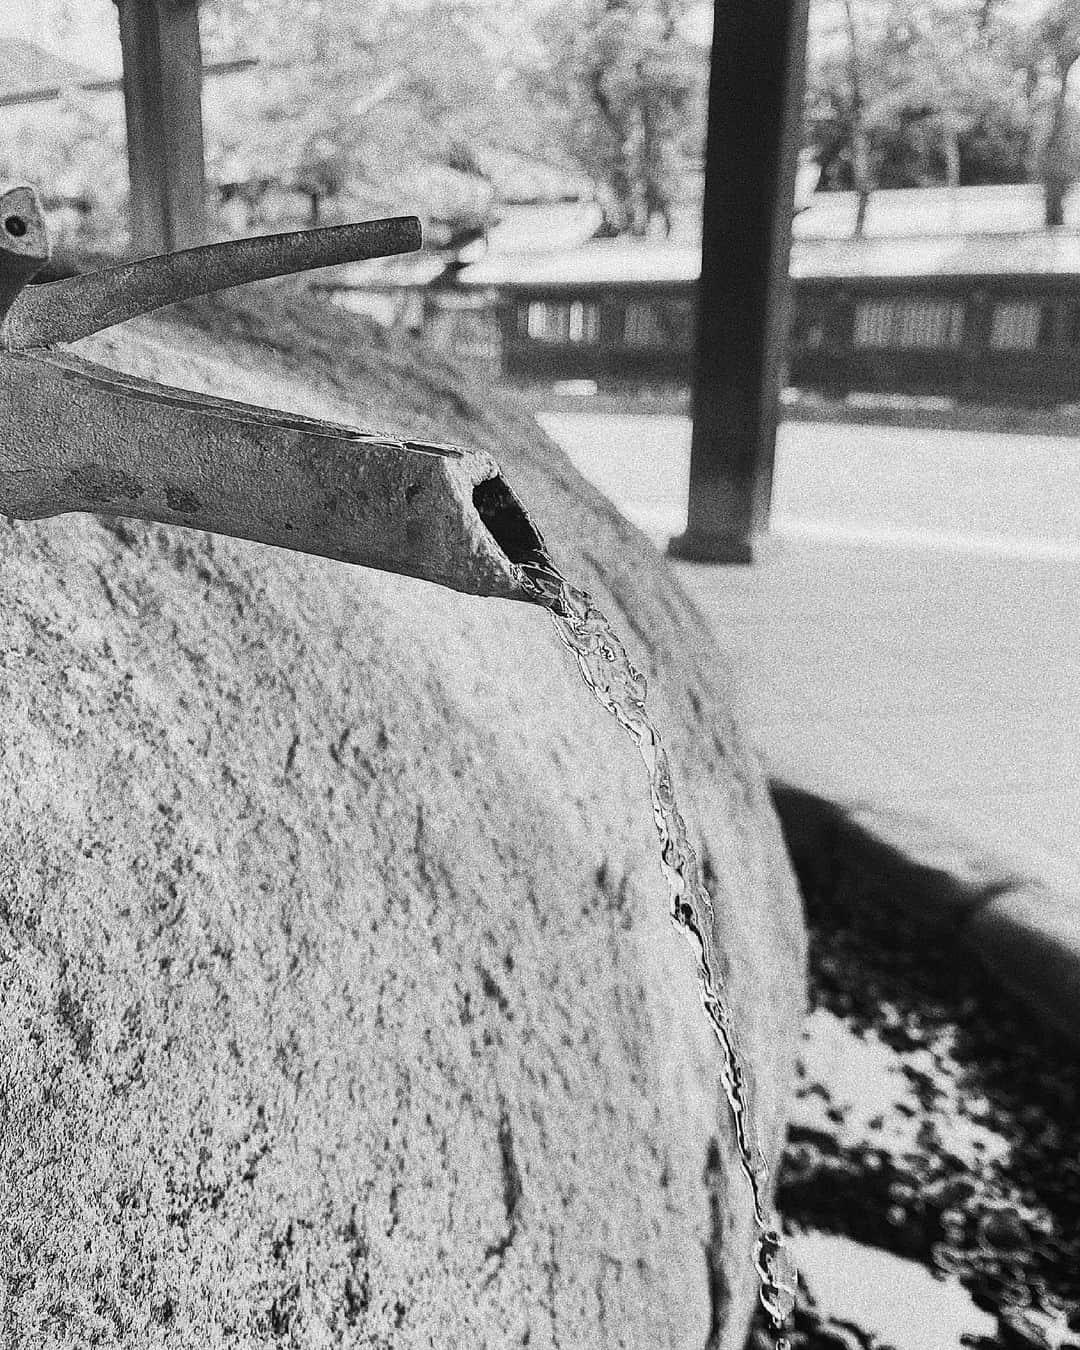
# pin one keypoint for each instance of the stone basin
(338, 1001)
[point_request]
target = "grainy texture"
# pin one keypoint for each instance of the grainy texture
(338, 1001)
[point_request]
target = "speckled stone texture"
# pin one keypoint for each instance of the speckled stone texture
(338, 1001)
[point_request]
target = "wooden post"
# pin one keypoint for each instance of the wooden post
(755, 118)
(163, 107)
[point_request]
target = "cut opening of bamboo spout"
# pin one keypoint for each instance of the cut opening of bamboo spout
(508, 523)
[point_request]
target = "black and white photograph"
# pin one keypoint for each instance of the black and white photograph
(540, 675)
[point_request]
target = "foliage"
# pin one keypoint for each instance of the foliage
(625, 96)
(385, 102)
(938, 91)
(73, 148)
(1053, 59)
(443, 105)
(939, 96)
(76, 155)
(604, 88)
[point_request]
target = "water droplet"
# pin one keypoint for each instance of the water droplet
(777, 1274)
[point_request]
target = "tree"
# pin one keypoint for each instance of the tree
(72, 150)
(1053, 58)
(860, 135)
(621, 84)
(372, 103)
(429, 105)
(913, 94)
(72, 147)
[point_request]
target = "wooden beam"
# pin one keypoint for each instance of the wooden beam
(163, 107)
(755, 119)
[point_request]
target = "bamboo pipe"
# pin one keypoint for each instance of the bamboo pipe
(75, 436)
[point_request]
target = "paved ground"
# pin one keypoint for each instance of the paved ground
(966, 491)
(909, 644)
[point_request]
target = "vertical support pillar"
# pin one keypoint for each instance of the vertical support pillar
(755, 117)
(163, 108)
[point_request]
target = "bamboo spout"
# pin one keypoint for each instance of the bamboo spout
(81, 437)
(75, 436)
(63, 311)
(75, 307)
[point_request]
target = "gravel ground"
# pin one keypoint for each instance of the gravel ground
(931, 1181)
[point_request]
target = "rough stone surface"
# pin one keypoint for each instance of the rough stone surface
(338, 1001)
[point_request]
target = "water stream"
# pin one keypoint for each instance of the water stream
(621, 689)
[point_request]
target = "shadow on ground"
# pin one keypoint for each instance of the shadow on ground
(931, 1180)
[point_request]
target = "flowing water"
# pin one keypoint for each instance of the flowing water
(621, 689)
